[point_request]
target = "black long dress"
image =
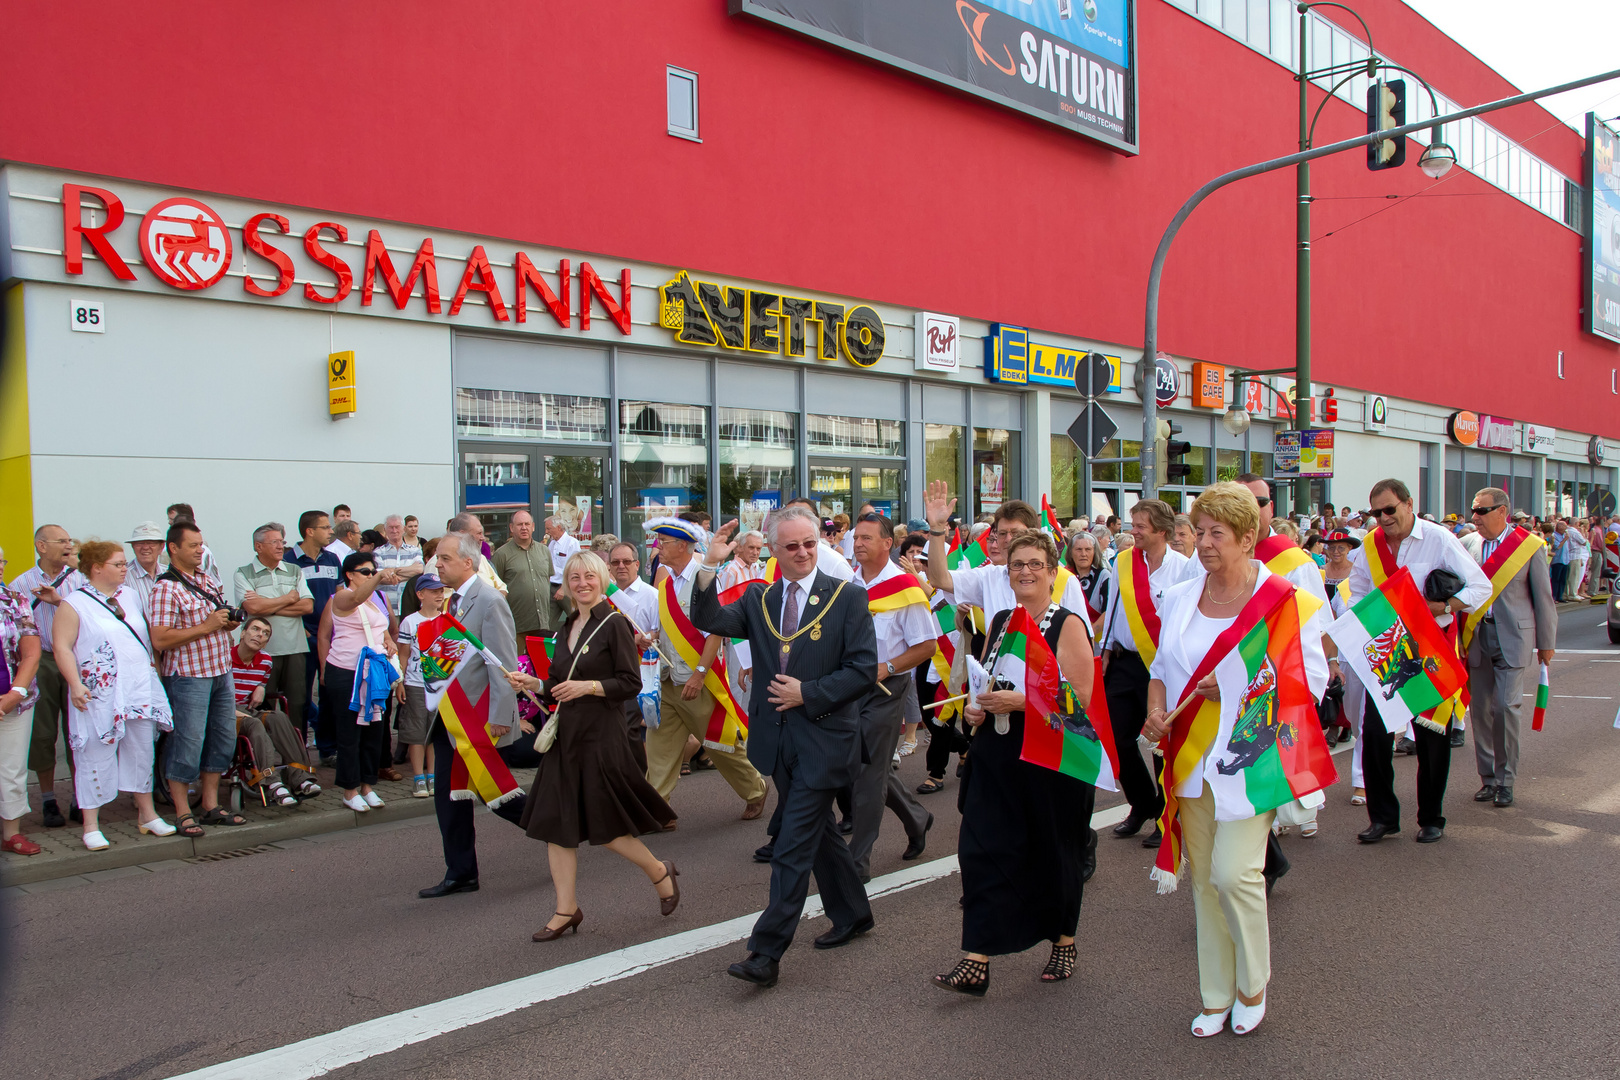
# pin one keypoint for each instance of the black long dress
(588, 786)
(1022, 839)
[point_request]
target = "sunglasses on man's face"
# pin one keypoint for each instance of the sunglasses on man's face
(1263, 500)
(1481, 511)
(1385, 511)
(796, 547)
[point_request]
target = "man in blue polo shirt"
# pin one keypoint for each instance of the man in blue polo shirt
(321, 573)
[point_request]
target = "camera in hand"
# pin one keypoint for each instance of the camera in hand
(235, 614)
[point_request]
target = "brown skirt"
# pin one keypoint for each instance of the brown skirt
(588, 787)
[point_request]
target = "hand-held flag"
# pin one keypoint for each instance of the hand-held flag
(477, 770)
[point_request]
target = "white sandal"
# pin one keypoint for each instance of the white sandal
(94, 841)
(157, 827)
(1308, 829)
(1206, 1024)
(1245, 1018)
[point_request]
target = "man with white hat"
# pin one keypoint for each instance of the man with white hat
(147, 542)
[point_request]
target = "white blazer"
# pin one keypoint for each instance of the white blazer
(1173, 667)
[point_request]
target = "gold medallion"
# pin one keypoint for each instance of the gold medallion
(815, 632)
(786, 648)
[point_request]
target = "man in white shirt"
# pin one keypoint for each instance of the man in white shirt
(1422, 547)
(345, 538)
(686, 704)
(638, 601)
(828, 559)
(398, 560)
(1128, 640)
(44, 586)
(987, 586)
(906, 636)
(561, 545)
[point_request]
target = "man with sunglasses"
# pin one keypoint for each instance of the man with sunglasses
(1403, 539)
(1519, 622)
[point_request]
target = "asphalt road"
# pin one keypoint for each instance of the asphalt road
(1585, 627)
(1492, 954)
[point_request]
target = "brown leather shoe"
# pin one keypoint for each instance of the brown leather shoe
(754, 808)
(391, 774)
(668, 904)
(546, 933)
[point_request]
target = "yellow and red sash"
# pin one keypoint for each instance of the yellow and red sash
(1281, 555)
(1194, 730)
(1517, 547)
(1060, 584)
(1380, 560)
(726, 724)
(731, 595)
(894, 593)
(1136, 600)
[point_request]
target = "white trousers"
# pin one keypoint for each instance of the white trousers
(101, 771)
(16, 728)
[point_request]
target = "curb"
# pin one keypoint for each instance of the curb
(45, 867)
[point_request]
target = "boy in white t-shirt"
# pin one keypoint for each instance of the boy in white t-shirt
(414, 721)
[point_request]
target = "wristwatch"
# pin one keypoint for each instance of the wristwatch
(701, 670)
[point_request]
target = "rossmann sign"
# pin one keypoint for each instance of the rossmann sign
(188, 246)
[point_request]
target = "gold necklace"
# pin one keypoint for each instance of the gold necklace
(814, 625)
(1210, 593)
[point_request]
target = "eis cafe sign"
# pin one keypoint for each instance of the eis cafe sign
(187, 245)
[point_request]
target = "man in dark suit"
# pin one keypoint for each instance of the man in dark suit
(815, 660)
(485, 614)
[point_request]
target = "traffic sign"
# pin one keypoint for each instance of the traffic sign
(1093, 374)
(1092, 429)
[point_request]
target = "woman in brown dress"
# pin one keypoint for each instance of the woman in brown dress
(588, 786)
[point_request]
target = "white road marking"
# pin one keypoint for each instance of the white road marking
(320, 1055)
(1590, 652)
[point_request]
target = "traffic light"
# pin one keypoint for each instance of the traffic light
(1168, 452)
(1386, 109)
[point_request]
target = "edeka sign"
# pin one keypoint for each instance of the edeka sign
(751, 320)
(188, 246)
(1011, 357)
(1071, 63)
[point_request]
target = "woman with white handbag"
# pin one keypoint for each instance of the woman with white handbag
(588, 787)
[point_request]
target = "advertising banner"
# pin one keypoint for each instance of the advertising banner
(1602, 217)
(1304, 454)
(1069, 62)
(1496, 433)
(1539, 439)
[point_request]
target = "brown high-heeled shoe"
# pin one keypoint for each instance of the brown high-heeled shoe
(668, 904)
(546, 933)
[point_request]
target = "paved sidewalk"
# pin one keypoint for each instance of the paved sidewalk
(65, 855)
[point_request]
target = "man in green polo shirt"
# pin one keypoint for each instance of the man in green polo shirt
(277, 590)
(525, 566)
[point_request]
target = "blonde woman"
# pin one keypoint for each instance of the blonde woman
(1201, 621)
(588, 786)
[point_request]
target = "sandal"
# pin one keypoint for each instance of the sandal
(221, 816)
(192, 830)
(1061, 965)
(967, 977)
(931, 785)
(686, 768)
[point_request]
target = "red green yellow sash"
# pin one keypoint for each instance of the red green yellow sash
(1281, 555)
(1516, 550)
(1194, 730)
(726, 723)
(1136, 600)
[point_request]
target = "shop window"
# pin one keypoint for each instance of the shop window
(854, 435)
(759, 453)
(1229, 464)
(942, 460)
(995, 468)
(664, 460)
(683, 103)
(512, 414)
(1066, 466)
(495, 486)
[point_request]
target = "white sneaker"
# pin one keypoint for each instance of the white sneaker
(94, 841)
(373, 801)
(357, 804)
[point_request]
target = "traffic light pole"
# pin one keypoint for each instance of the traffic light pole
(1302, 257)
(1150, 333)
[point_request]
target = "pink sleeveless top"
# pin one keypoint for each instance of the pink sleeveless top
(349, 634)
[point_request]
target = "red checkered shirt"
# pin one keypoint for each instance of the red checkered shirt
(176, 607)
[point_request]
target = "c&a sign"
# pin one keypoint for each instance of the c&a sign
(705, 315)
(187, 245)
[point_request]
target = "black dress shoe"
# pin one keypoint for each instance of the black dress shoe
(1457, 737)
(1376, 832)
(1406, 746)
(76, 815)
(1430, 834)
(1154, 839)
(53, 816)
(918, 843)
(766, 853)
(836, 936)
(1088, 861)
(1486, 793)
(846, 826)
(1131, 825)
(448, 886)
(1504, 796)
(758, 969)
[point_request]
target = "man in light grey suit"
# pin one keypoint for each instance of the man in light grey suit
(485, 614)
(1520, 625)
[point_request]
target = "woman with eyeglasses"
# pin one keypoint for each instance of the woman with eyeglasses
(360, 619)
(117, 704)
(1024, 834)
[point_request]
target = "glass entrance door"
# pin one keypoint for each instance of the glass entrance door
(841, 487)
(497, 481)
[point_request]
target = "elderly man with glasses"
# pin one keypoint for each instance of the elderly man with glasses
(1404, 539)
